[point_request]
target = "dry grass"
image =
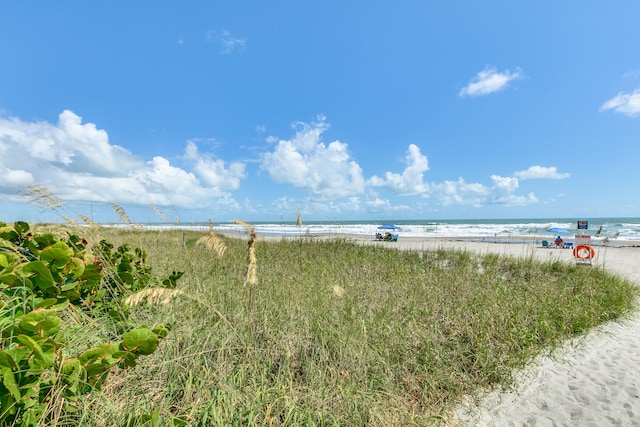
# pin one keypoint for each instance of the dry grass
(213, 242)
(251, 278)
(121, 213)
(40, 195)
(88, 221)
(152, 296)
(158, 212)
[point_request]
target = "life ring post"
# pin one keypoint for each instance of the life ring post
(584, 253)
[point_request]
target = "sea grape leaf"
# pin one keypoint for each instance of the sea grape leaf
(7, 361)
(35, 348)
(91, 274)
(75, 374)
(140, 341)
(90, 355)
(41, 322)
(102, 354)
(126, 359)
(9, 381)
(76, 267)
(11, 279)
(47, 302)
(21, 227)
(161, 331)
(58, 254)
(8, 233)
(39, 274)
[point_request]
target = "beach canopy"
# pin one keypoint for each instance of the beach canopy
(388, 227)
(557, 230)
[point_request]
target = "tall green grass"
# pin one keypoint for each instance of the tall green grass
(340, 333)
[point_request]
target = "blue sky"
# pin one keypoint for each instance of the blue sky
(338, 109)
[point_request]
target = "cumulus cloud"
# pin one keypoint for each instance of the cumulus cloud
(488, 81)
(625, 103)
(77, 162)
(410, 182)
(460, 193)
(306, 162)
(541, 172)
(501, 192)
(68, 144)
(213, 171)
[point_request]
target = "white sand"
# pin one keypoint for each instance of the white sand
(591, 381)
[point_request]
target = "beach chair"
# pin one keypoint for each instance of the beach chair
(545, 244)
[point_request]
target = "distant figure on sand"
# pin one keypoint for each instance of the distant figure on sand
(558, 241)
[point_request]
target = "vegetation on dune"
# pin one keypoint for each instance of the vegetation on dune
(330, 332)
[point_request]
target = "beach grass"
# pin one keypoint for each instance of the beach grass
(333, 332)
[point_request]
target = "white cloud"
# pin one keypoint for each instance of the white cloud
(12, 178)
(488, 81)
(214, 172)
(226, 42)
(541, 172)
(625, 103)
(502, 192)
(410, 182)
(306, 162)
(77, 162)
(460, 193)
(69, 144)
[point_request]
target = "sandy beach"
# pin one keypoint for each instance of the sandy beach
(593, 380)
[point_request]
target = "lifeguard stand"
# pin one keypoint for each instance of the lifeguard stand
(583, 252)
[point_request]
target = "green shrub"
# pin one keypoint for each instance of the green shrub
(44, 282)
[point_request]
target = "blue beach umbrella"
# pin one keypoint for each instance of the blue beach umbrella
(388, 227)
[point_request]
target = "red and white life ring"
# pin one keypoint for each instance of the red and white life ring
(584, 252)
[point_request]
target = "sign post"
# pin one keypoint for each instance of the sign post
(583, 252)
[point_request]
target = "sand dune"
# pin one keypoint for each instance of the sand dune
(591, 381)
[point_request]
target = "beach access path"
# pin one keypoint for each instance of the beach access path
(592, 380)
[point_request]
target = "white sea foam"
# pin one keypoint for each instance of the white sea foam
(627, 229)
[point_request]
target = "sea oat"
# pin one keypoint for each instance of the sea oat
(88, 220)
(252, 261)
(598, 232)
(41, 196)
(213, 242)
(175, 211)
(152, 296)
(162, 216)
(298, 219)
(121, 213)
(248, 228)
(70, 220)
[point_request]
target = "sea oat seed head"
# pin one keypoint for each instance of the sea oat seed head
(152, 296)
(252, 262)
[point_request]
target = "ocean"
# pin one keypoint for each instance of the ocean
(613, 228)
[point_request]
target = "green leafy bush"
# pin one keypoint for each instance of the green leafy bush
(41, 277)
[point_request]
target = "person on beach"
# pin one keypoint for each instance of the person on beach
(558, 242)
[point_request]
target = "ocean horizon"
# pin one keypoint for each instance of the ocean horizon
(622, 228)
